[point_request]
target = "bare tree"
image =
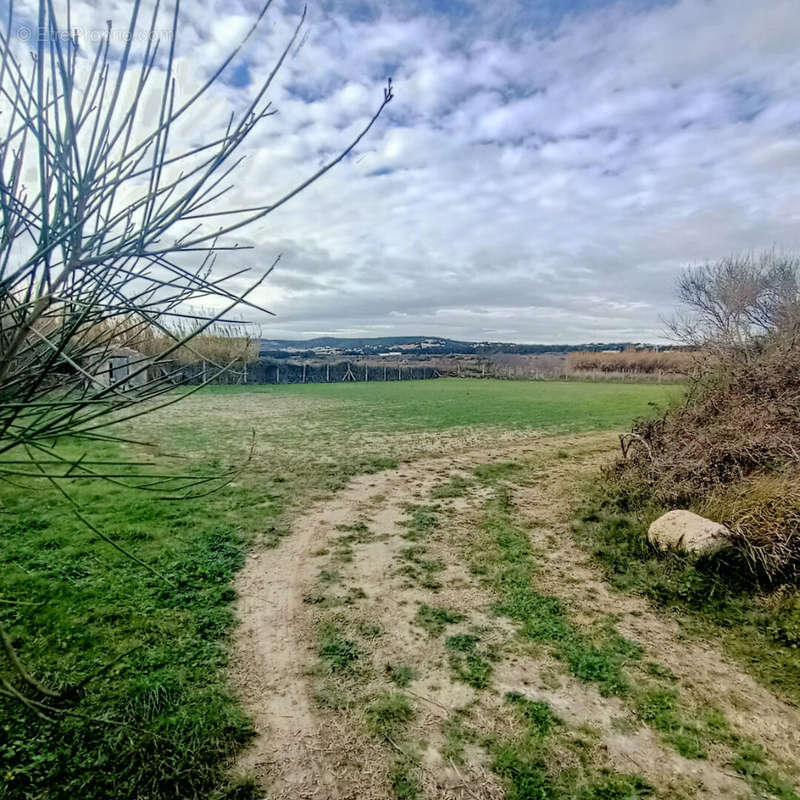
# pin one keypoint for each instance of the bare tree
(97, 248)
(735, 301)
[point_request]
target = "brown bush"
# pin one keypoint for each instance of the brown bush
(731, 447)
(648, 362)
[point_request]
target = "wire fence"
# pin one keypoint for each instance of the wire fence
(262, 372)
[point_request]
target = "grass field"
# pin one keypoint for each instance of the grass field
(90, 606)
(124, 646)
(448, 616)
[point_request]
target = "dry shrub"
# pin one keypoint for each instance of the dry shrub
(648, 362)
(763, 512)
(732, 447)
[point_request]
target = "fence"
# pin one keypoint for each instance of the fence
(260, 372)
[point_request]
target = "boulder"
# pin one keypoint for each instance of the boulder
(689, 533)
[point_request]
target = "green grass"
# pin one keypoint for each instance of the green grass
(434, 619)
(568, 406)
(420, 521)
(389, 714)
(405, 781)
(90, 605)
(456, 486)
(336, 651)
(468, 662)
(401, 675)
(530, 772)
(660, 709)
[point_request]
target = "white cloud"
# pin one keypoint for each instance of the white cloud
(540, 183)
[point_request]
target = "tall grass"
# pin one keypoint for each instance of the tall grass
(647, 362)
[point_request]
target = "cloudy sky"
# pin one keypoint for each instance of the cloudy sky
(544, 171)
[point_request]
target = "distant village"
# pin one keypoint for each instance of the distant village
(401, 347)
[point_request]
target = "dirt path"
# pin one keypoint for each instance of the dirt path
(340, 625)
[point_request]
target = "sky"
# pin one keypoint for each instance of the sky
(545, 170)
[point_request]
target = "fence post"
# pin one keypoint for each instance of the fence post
(366, 372)
(277, 373)
(327, 373)
(304, 372)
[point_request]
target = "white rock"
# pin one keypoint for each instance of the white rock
(688, 533)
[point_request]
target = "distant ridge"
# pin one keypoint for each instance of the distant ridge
(361, 345)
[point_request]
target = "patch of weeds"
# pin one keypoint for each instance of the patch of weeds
(389, 713)
(405, 779)
(527, 765)
(659, 671)
(369, 630)
(456, 737)
(492, 473)
(329, 576)
(615, 786)
(467, 662)
(523, 765)
(456, 486)
(331, 695)
(401, 675)
(749, 759)
(357, 533)
(358, 528)
(318, 598)
(374, 465)
(601, 662)
(420, 521)
(749, 762)
(343, 554)
(419, 568)
(659, 708)
(354, 594)
(336, 651)
(434, 619)
(538, 717)
(508, 558)
(239, 789)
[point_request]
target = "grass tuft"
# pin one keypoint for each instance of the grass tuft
(434, 619)
(467, 662)
(337, 653)
(389, 713)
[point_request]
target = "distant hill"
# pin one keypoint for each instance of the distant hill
(421, 345)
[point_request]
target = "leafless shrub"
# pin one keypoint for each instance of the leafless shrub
(733, 302)
(110, 234)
